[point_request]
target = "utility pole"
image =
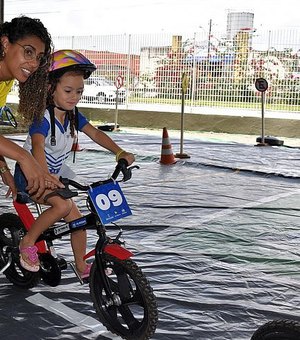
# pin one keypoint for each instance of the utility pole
(209, 38)
(1, 11)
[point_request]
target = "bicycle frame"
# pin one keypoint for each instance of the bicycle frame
(122, 295)
(90, 221)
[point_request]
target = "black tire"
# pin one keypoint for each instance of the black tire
(10, 117)
(11, 232)
(278, 330)
(136, 316)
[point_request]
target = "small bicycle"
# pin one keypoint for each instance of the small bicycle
(121, 294)
(7, 118)
(278, 330)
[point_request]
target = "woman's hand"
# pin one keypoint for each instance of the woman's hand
(38, 179)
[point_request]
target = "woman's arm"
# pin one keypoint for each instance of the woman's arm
(38, 180)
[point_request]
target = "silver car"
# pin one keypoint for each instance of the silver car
(101, 90)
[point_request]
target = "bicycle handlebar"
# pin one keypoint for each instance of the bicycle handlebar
(121, 167)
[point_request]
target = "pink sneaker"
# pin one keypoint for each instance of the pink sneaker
(29, 259)
(86, 273)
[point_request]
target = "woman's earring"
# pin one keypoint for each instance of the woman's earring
(3, 54)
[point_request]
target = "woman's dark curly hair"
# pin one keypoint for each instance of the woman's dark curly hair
(33, 92)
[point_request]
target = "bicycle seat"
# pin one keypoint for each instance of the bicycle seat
(23, 198)
(64, 193)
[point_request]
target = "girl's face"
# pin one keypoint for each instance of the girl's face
(68, 90)
(22, 58)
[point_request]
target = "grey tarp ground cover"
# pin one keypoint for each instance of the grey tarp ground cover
(217, 235)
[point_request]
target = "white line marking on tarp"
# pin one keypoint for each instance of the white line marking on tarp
(152, 241)
(69, 314)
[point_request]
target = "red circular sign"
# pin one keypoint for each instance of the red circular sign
(119, 82)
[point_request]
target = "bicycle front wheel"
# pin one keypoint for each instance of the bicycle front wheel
(278, 330)
(132, 311)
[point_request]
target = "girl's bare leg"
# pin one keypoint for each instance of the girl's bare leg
(78, 240)
(59, 209)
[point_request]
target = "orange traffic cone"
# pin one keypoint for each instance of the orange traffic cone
(167, 156)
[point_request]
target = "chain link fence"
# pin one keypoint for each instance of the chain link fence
(221, 70)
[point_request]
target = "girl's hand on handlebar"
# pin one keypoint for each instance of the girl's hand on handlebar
(128, 156)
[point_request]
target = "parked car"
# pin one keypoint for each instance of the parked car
(102, 90)
(146, 91)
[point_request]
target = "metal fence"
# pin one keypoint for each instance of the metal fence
(221, 71)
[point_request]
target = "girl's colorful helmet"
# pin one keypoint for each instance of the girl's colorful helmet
(68, 60)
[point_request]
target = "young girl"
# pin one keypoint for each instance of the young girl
(67, 73)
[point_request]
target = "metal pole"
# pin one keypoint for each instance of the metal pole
(261, 85)
(184, 85)
(263, 117)
(128, 68)
(194, 73)
(181, 122)
(116, 112)
(209, 38)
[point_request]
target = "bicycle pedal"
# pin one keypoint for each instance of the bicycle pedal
(86, 280)
(108, 271)
(63, 264)
(76, 273)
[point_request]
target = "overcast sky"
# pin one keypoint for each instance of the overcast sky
(97, 17)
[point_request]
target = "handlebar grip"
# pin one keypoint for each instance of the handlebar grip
(121, 167)
(67, 182)
(123, 162)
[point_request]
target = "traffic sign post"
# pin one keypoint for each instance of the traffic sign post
(118, 83)
(184, 86)
(261, 85)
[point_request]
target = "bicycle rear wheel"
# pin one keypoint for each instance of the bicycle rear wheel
(278, 330)
(11, 232)
(8, 117)
(132, 313)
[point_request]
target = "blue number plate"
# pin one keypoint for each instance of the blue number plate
(109, 202)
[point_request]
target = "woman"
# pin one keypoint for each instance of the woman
(25, 49)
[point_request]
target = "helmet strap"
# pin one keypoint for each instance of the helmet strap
(60, 108)
(52, 123)
(77, 128)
